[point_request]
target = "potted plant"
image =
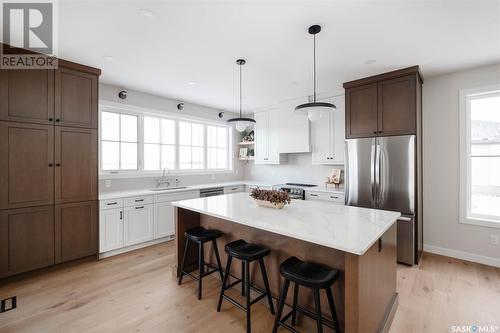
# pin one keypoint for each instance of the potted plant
(270, 198)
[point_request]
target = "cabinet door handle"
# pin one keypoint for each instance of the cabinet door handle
(234, 189)
(111, 203)
(50, 119)
(380, 132)
(58, 164)
(139, 200)
(121, 215)
(140, 207)
(51, 165)
(374, 132)
(58, 120)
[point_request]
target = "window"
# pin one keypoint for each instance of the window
(191, 145)
(480, 156)
(217, 147)
(135, 142)
(118, 141)
(159, 144)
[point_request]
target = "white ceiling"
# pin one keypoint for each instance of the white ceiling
(200, 41)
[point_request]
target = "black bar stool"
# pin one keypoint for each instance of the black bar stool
(311, 276)
(200, 236)
(247, 253)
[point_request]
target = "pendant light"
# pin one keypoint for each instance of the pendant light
(312, 108)
(241, 123)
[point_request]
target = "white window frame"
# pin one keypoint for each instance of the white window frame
(465, 216)
(140, 112)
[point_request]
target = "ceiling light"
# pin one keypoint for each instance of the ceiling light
(370, 61)
(313, 107)
(109, 58)
(147, 13)
(241, 123)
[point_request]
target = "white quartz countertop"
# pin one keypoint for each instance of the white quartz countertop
(346, 228)
(141, 192)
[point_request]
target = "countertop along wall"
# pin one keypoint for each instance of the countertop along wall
(443, 233)
(135, 98)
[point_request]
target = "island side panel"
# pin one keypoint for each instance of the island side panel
(282, 247)
(370, 287)
(184, 220)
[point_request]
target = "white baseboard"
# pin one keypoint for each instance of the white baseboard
(134, 247)
(462, 255)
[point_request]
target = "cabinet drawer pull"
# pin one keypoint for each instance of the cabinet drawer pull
(140, 207)
(121, 215)
(313, 195)
(111, 203)
(139, 200)
(332, 197)
(234, 189)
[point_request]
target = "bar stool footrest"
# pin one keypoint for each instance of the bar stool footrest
(310, 314)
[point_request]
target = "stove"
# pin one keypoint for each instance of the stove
(295, 190)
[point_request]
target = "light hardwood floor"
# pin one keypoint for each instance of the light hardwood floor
(137, 292)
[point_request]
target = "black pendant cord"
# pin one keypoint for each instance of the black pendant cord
(314, 67)
(240, 91)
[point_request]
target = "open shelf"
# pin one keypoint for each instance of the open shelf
(246, 143)
(249, 158)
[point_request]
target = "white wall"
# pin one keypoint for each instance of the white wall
(442, 231)
(135, 98)
(298, 169)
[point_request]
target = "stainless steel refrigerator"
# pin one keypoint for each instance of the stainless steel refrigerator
(382, 173)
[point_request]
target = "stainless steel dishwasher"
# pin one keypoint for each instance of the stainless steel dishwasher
(211, 192)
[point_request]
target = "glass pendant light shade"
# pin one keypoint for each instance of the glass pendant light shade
(241, 123)
(313, 108)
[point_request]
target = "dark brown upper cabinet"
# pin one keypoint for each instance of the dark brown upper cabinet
(361, 120)
(27, 96)
(76, 98)
(75, 164)
(26, 165)
(26, 239)
(383, 105)
(76, 231)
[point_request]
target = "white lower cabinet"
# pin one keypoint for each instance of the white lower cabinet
(111, 230)
(164, 220)
(137, 224)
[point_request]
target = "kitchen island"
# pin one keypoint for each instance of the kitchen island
(359, 242)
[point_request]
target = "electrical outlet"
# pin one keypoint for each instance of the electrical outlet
(107, 183)
(494, 240)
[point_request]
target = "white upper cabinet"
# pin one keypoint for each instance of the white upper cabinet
(280, 131)
(328, 134)
(267, 137)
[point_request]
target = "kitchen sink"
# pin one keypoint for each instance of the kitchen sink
(168, 188)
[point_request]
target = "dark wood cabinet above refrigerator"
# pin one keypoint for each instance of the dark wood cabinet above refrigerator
(383, 105)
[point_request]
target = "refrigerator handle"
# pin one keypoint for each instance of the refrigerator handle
(373, 171)
(378, 187)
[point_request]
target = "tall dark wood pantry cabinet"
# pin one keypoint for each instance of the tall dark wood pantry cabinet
(48, 166)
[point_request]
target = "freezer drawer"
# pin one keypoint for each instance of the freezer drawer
(406, 239)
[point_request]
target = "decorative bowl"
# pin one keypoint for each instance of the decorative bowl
(269, 204)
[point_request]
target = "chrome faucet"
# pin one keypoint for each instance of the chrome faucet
(160, 182)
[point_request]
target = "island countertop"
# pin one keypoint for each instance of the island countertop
(345, 228)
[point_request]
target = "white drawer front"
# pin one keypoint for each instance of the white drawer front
(165, 197)
(234, 189)
(324, 196)
(111, 203)
(143, 200)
